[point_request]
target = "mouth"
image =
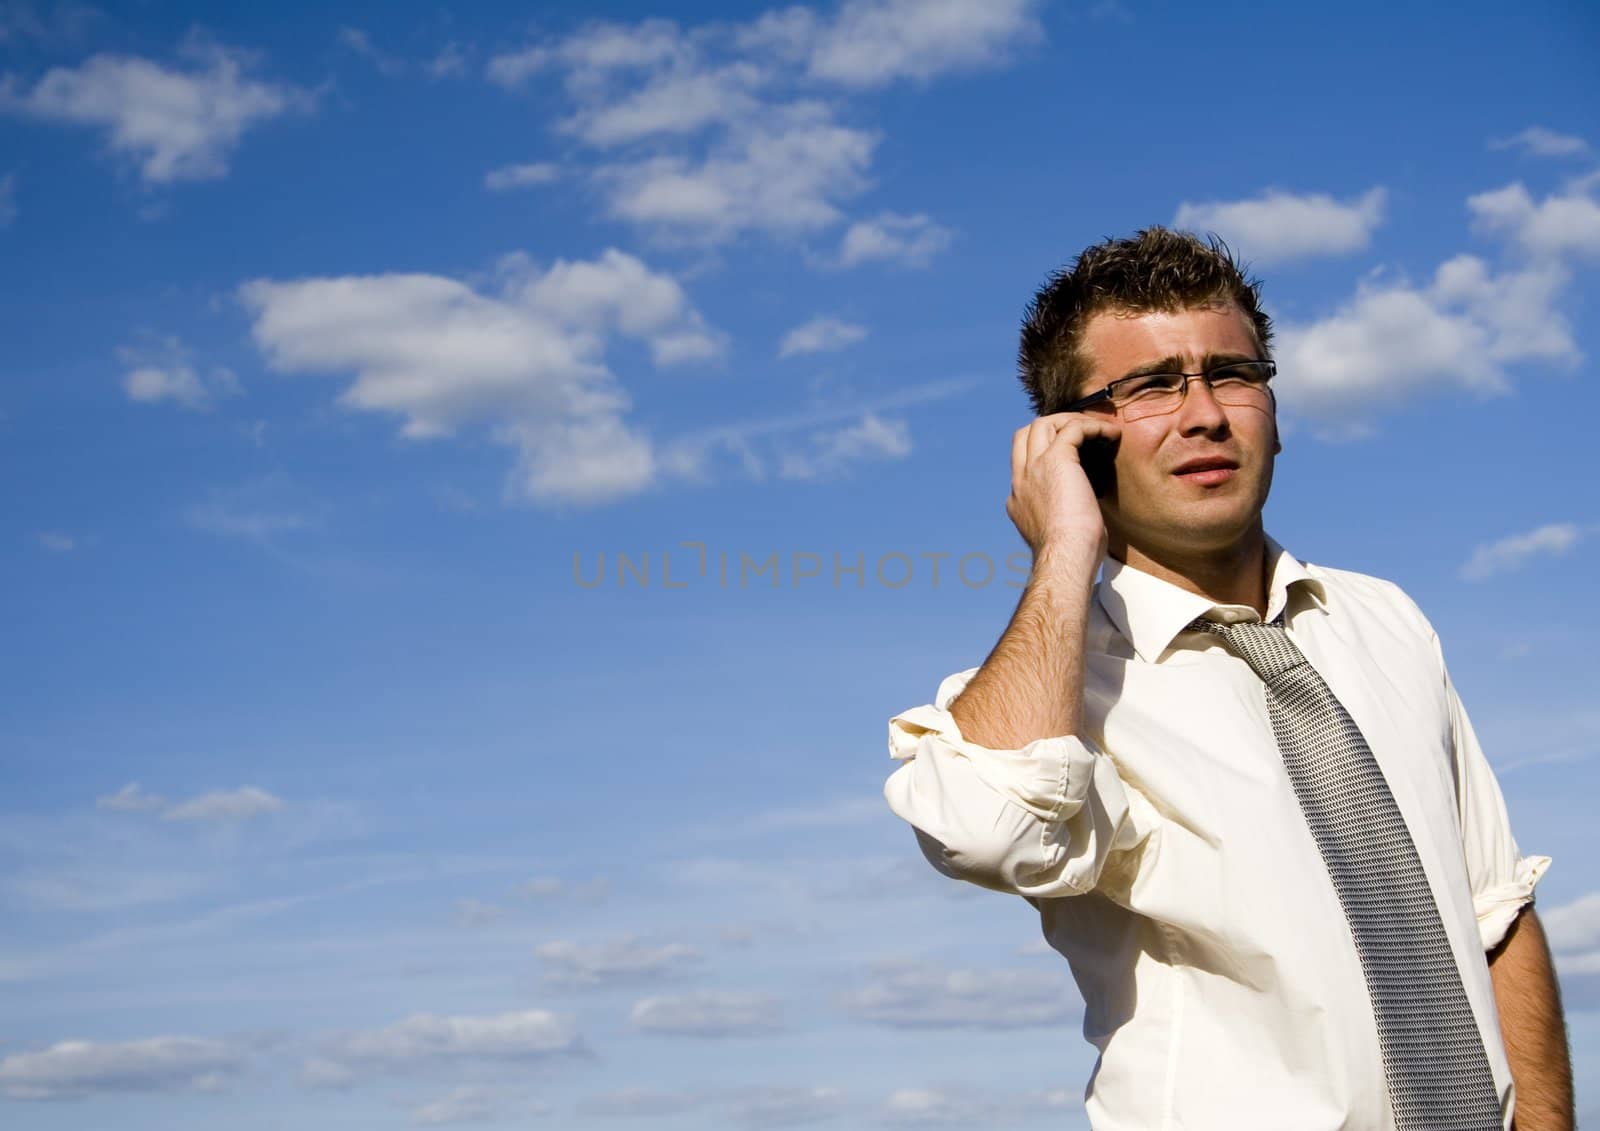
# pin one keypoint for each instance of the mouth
(1206, 471)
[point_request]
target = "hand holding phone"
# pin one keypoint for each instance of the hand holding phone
(1098, 456)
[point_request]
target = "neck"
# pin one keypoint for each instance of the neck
(1235, 575)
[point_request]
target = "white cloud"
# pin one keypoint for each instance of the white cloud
(466, 1104)
(707, 1013)
(8, 199)
(680, 101)
(179, 125)
(1541, 142)
(1573, 926)
(81, 1068)
(832, 452)
(1559, 225)
(225, 805)
(527, 360)
(56, 541)
(720, 126)
(822, 334)
(524, 1035)
(1394, 339)
(607, 963)
(598, 48)
(520, 176)
(131, 798)
(874, 42)
(785, 177)
(1279, 226)
(1514, 552)
(162, 370)
(920, 995)
(910, 240)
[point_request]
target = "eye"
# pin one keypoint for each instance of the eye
(1242, 373)
(1151, 384)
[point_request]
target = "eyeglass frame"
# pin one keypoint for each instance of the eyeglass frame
(1105, 392)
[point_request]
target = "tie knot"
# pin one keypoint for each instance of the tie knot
(1265, 647)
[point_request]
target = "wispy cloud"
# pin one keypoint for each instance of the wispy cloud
(1279, 226)
(56, 541)
(1517, 550)
(358, 42)
(969, 1107)
(832, 452)
(162, 369)
(468, 1103)
(823, 334)
(521, 176)
(73, 1069)
(225, 805)
(131, 798)
(177, 124)
(219, 806)
(707, 1013)
(421, 1038)
(619, 961)
(871, 43)
(1541, 142)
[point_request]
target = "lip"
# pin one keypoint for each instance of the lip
(1206, 471)
(1204, 464)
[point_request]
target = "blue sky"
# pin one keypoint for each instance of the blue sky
(349, 779)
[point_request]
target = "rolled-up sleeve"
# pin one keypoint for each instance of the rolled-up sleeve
(1040, 821)
(1502, 878)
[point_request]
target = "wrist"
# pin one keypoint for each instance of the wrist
(1071, 564)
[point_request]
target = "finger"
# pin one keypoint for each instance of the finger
(1083, 430)
(1042, 433)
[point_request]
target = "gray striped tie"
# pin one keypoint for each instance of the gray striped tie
(1433, 1058)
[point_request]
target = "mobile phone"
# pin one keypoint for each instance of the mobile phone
(1097, 454)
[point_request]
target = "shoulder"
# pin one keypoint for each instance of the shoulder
(1351, 591)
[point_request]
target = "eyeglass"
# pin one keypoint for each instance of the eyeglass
(1239, 384)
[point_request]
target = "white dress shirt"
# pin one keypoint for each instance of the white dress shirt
(1170, 863)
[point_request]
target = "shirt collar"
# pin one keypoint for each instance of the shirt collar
(1150, 612)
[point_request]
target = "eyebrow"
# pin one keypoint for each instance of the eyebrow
(1172, 363)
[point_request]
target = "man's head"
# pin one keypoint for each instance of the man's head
(1157, 270)
(1190, 481)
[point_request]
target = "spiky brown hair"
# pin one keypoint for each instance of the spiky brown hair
(1156, 270)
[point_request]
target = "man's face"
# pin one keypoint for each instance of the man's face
(1192, 481)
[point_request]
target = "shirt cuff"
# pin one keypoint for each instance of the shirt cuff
(1049, 777)
(1497, 907)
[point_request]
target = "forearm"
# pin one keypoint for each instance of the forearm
(1031, 686)
(1531, 1024)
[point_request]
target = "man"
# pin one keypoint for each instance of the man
(1239, 788)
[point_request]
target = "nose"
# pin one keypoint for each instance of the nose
(1200, 414)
